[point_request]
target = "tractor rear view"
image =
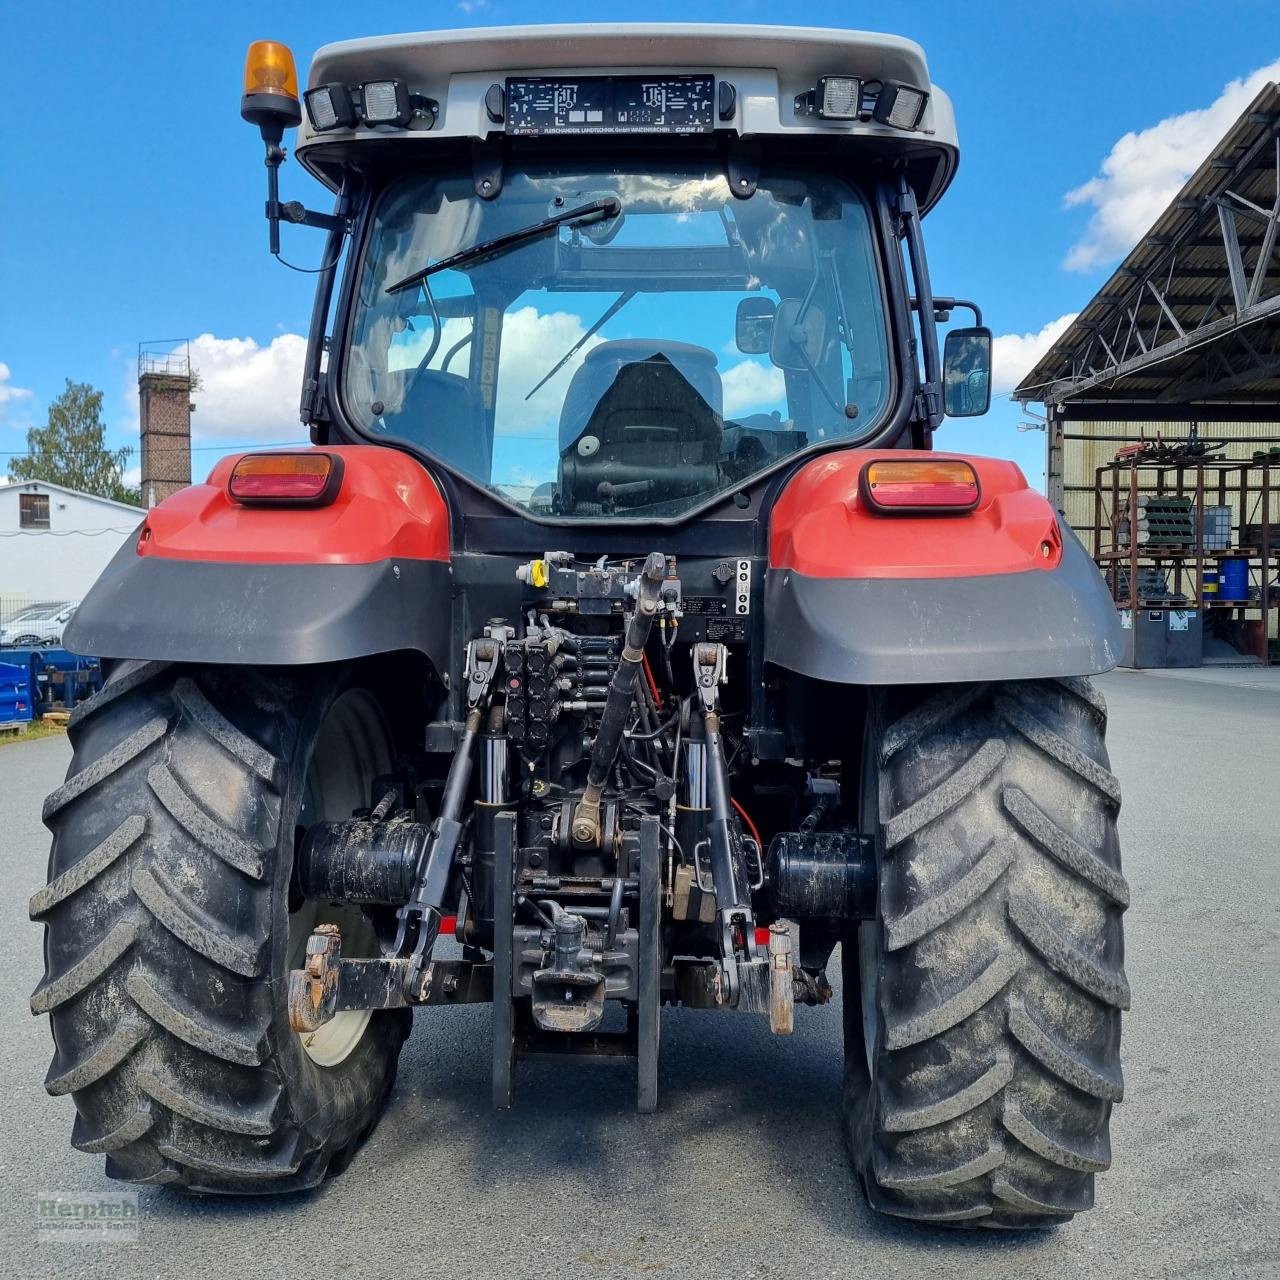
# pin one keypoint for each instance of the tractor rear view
(621, 642)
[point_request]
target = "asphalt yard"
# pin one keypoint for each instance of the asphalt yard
(741, 1172)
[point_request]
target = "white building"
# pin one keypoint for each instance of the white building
(54, 541)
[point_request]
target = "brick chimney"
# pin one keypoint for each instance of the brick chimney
(164, 418)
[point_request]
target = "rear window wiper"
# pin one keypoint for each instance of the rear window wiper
(596, 211)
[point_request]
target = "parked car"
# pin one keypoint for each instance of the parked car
(40, 624)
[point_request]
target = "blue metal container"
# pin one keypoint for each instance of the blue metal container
(1233, 583)
(15, 693)
(57, 677)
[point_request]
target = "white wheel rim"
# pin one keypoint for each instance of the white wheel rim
(351, 750)
(334, 1042)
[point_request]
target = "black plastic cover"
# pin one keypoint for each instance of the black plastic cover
(262, 614)
(1009, 626)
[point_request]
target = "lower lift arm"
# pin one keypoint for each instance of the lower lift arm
(743, 973)
(404, 975)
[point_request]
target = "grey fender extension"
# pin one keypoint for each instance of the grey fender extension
(882, 631)
(263, 614)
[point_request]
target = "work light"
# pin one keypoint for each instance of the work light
(330, 107)
(900, 105)
(834, 98)
(839, 97)
(387, 102)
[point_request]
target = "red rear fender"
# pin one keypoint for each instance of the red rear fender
(388, 507)
(822, 528)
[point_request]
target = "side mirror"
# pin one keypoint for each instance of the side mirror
(966, 373)
(753, 327)
(795, 343)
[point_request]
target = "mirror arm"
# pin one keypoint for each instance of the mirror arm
(929, 395)
(313, 408)
(942, 308)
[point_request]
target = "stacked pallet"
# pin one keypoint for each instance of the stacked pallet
(1161, 522)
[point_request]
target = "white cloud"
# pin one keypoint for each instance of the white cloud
(532, 342)
(752, 387)
(1014, 355)
(8, 392)
(472, 6)
(1146, 169)
(248, 391)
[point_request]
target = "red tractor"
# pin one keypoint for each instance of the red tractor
(621, 642)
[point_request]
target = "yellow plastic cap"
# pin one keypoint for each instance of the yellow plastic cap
(269, 68)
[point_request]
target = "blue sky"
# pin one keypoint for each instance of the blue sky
(132, 192)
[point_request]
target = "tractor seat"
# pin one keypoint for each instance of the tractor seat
(442, 414)
(641, 423)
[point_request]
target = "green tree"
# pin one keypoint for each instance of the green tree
(71, 449)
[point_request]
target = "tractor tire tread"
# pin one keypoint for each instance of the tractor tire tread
(1000, 979)
(165, 875)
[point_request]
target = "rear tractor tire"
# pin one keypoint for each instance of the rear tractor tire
(171, 927)
(982, 1010)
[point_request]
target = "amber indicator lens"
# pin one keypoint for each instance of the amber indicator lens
(920, 485)
(303, 478)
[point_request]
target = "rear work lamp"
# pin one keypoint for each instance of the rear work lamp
(330, 107)
(834, 98)
(900, 105)
(916, 485)
(386, 102)
(286, 479)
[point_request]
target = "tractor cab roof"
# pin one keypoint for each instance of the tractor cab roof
(767, 82)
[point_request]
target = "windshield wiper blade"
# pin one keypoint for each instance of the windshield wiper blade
(596, 211)
(614, 307)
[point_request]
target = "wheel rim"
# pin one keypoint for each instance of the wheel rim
(352, 748)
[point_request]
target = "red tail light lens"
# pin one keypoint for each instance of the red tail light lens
(919, 485)
(286, 479)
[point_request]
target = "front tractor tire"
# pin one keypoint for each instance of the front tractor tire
(171, 926)
(982, 1014)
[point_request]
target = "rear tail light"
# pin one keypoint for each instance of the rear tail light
(919, 485)
(286, 479)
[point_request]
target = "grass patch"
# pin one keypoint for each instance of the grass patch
(36, 729)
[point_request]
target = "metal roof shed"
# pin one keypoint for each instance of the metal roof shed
(1188, 327)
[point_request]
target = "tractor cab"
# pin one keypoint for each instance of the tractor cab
(623, 272)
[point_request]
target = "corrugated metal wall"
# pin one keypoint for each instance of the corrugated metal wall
(1080, 458)
(1073, 463)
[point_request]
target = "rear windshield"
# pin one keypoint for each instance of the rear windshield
(635, 364)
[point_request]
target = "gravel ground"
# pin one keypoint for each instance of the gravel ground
(742, 1172)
